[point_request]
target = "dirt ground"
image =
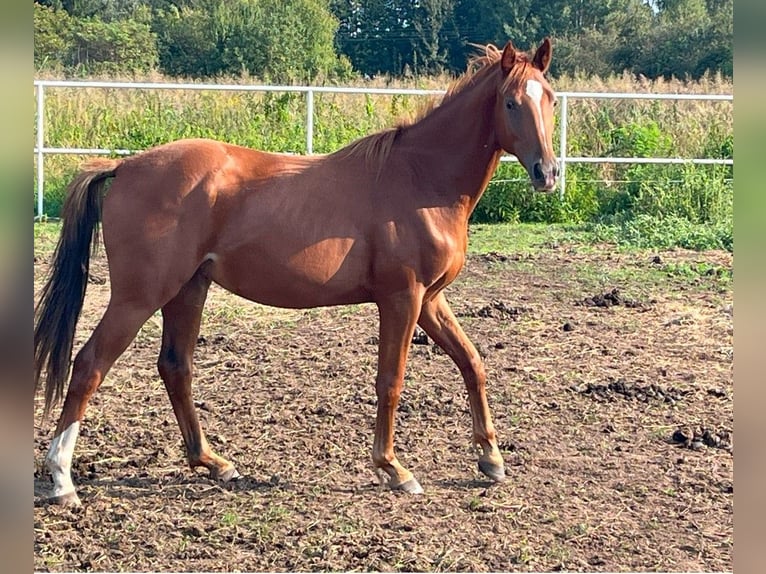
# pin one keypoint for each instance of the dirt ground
(610, 382)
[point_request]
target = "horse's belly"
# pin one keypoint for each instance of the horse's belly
(320, 275)
(296, 295)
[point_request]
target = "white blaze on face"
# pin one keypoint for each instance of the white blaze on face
(59, 459)
(535, 93)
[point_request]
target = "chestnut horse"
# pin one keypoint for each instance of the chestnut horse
(383, 220)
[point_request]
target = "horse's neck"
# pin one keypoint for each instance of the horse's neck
(458, 143)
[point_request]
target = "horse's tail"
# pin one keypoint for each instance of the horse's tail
(62, 297)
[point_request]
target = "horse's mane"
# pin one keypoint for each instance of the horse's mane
(375, 148)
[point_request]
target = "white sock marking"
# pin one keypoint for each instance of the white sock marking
(59, 459)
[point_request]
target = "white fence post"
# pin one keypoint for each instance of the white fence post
(310, 121)
(563, 152)
(40, 141)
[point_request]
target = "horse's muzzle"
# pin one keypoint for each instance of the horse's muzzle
(544, 175)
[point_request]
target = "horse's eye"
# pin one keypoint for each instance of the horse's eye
(509, 104)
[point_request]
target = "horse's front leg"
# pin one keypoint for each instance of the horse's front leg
(398, 316)
(439, 322)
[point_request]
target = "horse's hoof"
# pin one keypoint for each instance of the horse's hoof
(228, 475)
(411, 486)
(494, 471)
(68, 499)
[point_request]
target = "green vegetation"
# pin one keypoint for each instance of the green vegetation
(316, 39)
(644, 233)
(659, 205)
(599, 47)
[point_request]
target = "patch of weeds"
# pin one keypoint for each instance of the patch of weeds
(558, 554)
(652, 524)
(230, 518)
(318, 490)
(262, 524)
(183, 544)
(524, 555)
(53, 562)
(648, 231)
(700, 272)
(640, 281)
(574, 531)
(346, 525)
(550, 519)
(476, 504)
(501, 239)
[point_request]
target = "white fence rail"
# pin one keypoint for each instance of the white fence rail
(41, 149)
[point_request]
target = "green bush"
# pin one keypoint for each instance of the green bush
(276, 41)
(649, 231)
(52, 37)
(90, 45)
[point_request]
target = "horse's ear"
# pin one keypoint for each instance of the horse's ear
(508, 59)
(542, 58)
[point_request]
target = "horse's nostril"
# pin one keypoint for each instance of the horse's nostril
(538, 171)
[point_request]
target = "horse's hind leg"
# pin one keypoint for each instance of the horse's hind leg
(439, 322)
(115, 331)
(181, 323)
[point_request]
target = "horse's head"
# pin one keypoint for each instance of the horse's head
(524, 113)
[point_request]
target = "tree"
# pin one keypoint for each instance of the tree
(690, 39)
(106, 10)
(599, 38)
(52, 37)
(271, 39)
(300, 40)
(489, 22)
(188, 42)
(430, 20)
(91, 45)
(377, 35)
(113, 47)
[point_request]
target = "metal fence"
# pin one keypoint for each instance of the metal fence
(41, 149)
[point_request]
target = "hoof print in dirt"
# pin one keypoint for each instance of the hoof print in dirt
(698, 438)
(611, 298)
(632, 391)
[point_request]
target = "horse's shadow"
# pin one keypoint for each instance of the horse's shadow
(192, 487)
(197, 487)
(464, 484)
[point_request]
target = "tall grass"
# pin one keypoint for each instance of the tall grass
(138, 119)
